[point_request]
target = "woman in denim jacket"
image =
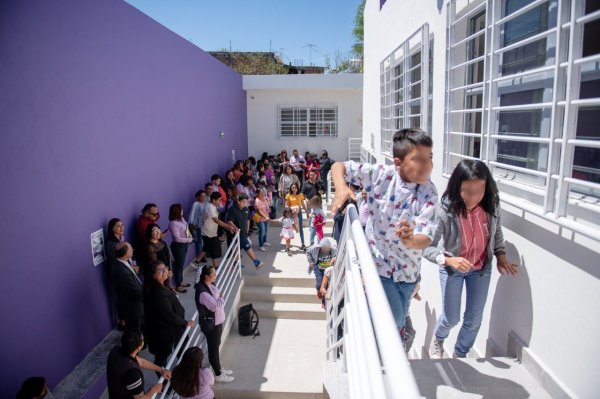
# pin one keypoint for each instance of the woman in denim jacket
(468, 236)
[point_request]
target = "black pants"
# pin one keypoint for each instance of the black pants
(213, 341)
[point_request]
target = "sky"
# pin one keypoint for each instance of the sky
(288, 26)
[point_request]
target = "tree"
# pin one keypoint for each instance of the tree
(359, 33)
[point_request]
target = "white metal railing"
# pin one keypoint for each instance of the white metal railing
(362, 337)
(330, 188)
(354, 149)
(229, 270)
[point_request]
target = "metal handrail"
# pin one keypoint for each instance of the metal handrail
(229, 270)
(368, 348)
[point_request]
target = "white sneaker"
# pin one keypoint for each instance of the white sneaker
(268, 244)
(224, 378)
(436, 349)
(226, 372)
(262, 249)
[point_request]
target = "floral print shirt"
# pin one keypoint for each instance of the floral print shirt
(390, 201)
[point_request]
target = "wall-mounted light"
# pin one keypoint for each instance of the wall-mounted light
(221, 134)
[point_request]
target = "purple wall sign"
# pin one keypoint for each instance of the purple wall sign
(102, 109)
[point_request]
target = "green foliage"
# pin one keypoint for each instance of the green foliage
(359, 32)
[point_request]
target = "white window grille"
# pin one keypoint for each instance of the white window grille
(523, 95)
(311, 121)
(405, 89)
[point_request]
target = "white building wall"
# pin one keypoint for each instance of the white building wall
(553, 306)
(266, 93)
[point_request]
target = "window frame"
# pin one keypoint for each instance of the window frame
(301, 126)
(398, 112)
(558, 198)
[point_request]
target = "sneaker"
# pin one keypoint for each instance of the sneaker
(267, 244)
(458, 355)
(436, 349)
(224, 378)
(226, 372)
(258, 264)
(262, 249)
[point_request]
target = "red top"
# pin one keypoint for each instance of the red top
(475, 236)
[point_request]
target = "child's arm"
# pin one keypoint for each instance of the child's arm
(323, 289)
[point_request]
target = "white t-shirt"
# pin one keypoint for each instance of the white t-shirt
(209, 228)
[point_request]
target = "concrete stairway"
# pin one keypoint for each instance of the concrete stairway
(286, 360)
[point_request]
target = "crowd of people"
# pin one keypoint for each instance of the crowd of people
(401, 218)
(145, 282)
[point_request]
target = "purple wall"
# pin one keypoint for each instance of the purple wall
(101, 110)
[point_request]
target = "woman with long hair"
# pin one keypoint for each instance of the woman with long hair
(286, 180)
(182, 237)
(211, 315)
(165, 316)
(468, 236)
(156, 250)
(189, 379)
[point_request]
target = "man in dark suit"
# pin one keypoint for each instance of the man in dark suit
(128, 287)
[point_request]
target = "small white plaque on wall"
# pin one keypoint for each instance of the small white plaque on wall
(97, 238)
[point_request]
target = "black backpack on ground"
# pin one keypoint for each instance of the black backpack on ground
(248, 321)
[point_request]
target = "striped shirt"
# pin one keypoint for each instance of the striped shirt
(475, 235)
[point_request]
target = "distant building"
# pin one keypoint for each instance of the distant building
(261, 63)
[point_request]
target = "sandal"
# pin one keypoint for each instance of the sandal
(185, 285)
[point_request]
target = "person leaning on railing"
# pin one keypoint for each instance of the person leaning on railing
(165, 316)
(211, 315)
(123, 369)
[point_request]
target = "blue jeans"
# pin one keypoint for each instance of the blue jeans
(318, 277)
(262, 233)
(477, 290)
(398, 295)
(300, 229)
(312, 234)
(198, 244)
(179, 251)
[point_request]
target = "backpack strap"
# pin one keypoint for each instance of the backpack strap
(255, 331)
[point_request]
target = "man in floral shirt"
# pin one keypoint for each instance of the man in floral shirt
(402, 205)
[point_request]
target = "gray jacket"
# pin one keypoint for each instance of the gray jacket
(447, 237)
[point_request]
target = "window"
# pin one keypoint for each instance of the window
(523, 100)
(405, 89)
(307, 121)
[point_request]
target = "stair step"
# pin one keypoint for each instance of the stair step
(286, 310)
(279, 294)
(273, 281)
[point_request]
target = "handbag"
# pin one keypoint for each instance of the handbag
(256, 217)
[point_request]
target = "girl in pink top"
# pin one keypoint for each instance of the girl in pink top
(189, 379)
(467, 237)
(182, 237)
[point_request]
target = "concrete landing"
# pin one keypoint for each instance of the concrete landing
(475, 378)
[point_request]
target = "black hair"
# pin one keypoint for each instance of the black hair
(215, 196)
(317, 198)
(325, 154)
(111, 225)
(152, 266)
(206, 185)
(468, 169)
(149, 231)
(406, 140)
(32, 387)
(215, 177)
(287, 210)
(148, 206)
(121, 249)
(252, 160)
(205, 271)
(175, 212)
(199, 193)
(131, 340)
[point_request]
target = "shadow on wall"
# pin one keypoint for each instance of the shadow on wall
(454, 378)
(512, 308)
